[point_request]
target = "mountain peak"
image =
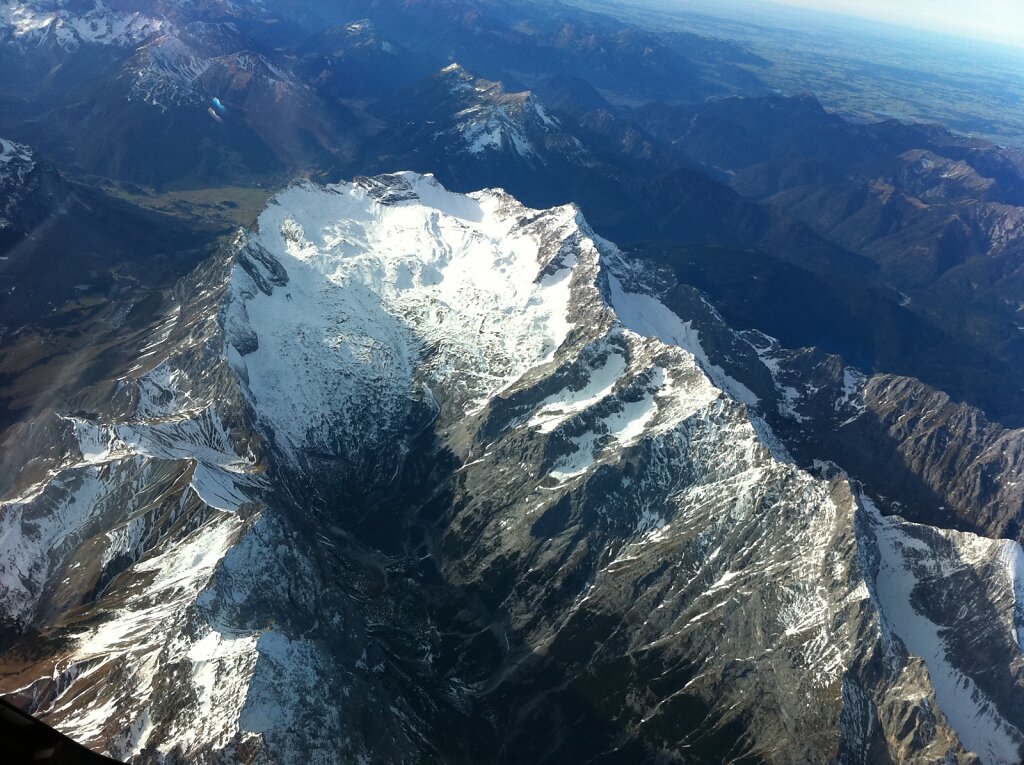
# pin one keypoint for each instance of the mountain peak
(386, 355)
(16, 162)
(490, 118)
(459, 77)
(72, 25)
(13, 154)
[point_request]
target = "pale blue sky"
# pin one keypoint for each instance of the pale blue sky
(998, 20)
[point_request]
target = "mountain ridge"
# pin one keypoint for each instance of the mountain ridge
(564, 469)
(406, 470)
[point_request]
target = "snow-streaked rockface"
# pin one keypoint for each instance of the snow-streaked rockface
(16, 162)
(164, 71)
(467, 120)
(496, 120)
(72, 24)
(186, 65)
(910, 559)
(119, 539)
(409, 473)
(926, 455)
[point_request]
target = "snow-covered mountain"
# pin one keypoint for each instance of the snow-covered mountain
(16, 162)
(164, 71)
(471, 127)
(409, 474)
(71, 23)
(495, 120)
(202, 103)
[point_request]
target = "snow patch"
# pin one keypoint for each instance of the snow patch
(647, 315)
(559, 407)
(974, 717)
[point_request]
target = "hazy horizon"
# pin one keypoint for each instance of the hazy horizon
(996, 21)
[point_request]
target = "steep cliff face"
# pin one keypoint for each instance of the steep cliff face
(412, 475)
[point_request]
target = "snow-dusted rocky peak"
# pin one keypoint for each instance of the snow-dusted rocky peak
(377, 277)
(16, 162)
(530, 342)
(362, 34)
(164, 71)
(358, 299)
(210, 66)
(244, 70)
(446, 457)
(492, 119)
(73, 23)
